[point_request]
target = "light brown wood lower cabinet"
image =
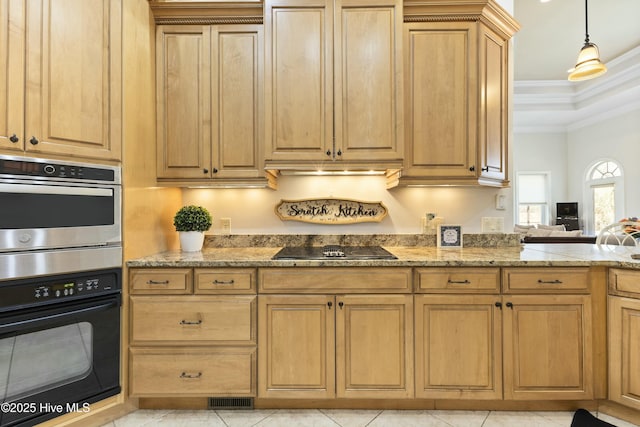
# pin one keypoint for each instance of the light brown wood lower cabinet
(624, 350)
(326, 346)
(516, 347)
(458, 347)
(189, 336)
(208, 371)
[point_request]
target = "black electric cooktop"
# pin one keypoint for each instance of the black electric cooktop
(334, 252)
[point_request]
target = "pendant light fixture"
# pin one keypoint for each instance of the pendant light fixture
(588, 65)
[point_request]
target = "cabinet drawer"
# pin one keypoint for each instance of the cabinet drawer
(192, 372)
(335, 280)
(462, 280)
(225, 280)
(546, 280)
(161, 281)
(626, 282)
(192, 319)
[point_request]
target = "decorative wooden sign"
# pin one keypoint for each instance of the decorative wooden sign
(330, 211)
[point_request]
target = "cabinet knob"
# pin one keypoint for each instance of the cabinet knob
(34, 140)
(499, 305)
(472, 168)
(510, 305)
(215, 170)
(329, 304)
(14, 138)
(485, 169)
(339, 153)
(205, 171)
(328, 152)
(340, 304)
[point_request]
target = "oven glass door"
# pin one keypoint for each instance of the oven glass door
(64, 355)
(58, 215)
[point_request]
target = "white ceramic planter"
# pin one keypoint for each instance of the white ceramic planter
(191, 241)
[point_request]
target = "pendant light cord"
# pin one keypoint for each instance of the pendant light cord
(586, 22)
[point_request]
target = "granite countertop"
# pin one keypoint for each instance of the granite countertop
(539, 255)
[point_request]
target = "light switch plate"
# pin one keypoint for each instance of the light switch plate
(492, 224)
(501, 201)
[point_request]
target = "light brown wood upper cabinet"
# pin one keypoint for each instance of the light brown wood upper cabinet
(61, 78)
(333, 86)
(456, 86)
(210, 104)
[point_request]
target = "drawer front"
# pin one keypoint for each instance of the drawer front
(458, 280)
(335, 280)
(546, 280)
(160, 281)
(193, 372)
(627, 282)
(225, 280)
(191, 319)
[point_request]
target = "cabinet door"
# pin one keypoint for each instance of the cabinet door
(368, 78)
(624, 351)
(492, 138)
(374, 346)
(458, 347)
(548, 347)
(441, 101)
(299, 79)
(74, 78)
(12, 37)
(184, 98)
(296, 346)
(237, 71)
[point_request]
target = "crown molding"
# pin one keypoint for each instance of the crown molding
(543, 106)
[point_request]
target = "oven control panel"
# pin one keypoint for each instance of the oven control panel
(70, 288)
(59, 288)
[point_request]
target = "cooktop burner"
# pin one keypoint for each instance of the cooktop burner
(333, 252)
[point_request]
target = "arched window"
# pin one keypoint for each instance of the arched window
(604, 194)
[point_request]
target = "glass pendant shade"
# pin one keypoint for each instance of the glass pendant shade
(588, 65)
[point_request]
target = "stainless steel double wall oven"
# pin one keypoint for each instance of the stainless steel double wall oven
(60, 287)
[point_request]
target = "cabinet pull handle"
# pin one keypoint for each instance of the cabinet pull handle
(191, 322)
(34, 140)
(459, 282)
(499, 305)
(510, 305)
(485, 169)
(157, 282)
(223, 282)
(191, 376)
(550, 282)
(329, 304)
(14, 138)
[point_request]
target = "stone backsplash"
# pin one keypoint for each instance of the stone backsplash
(488, 240)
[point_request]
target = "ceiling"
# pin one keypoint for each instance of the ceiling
(547, 46)
(552, 34)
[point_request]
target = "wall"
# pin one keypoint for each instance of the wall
(544, 152)
(618, 139)
(252, 210)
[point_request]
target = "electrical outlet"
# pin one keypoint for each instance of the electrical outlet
(225, 224)
(492, 224)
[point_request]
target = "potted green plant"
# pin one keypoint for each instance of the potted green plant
(191, 222)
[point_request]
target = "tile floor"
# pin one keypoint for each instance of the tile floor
(349, 418)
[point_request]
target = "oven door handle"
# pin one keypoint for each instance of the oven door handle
(53, 189)
(21, 324)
